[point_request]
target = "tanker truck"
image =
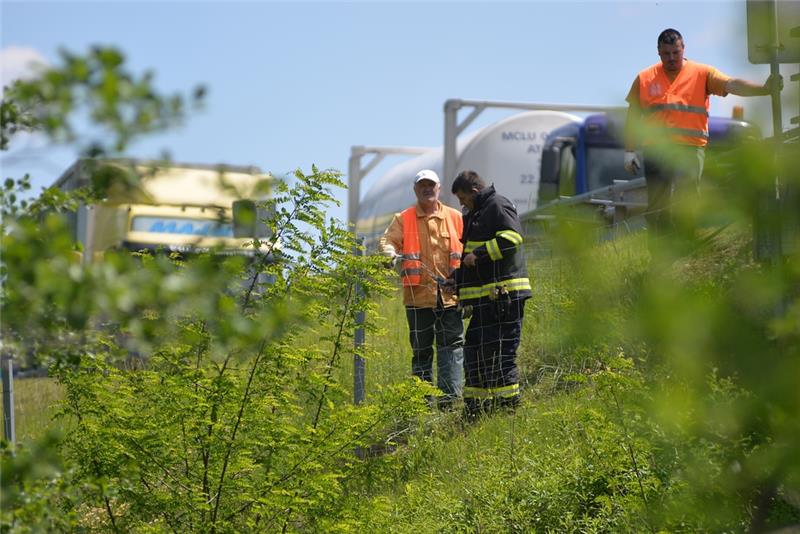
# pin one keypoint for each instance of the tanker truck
(507, 153)
(175, 208)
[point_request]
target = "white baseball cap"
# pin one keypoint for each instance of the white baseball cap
(427, 174)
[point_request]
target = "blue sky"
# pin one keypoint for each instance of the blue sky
(293, 84)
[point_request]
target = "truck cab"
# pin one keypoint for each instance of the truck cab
(176, 208)
(587, 156)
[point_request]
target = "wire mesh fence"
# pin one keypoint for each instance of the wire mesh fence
(614, 228)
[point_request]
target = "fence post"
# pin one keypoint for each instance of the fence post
(359, 364)
(7, 371)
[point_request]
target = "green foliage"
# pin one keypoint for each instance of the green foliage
(10, 205)
(90, 89)
(228, 421)
(38, 493)
(190, 448)
(193, 398)
(660, 374)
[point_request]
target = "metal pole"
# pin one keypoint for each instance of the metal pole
(773, 211)
(777, 119)
(359, 364)
(533, 106)
(774, 214)
(354, 184)
(7, 370)
(774, 70)
(451, 108)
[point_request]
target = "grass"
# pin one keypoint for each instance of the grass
(586, 452)
(578, 308)
(387, 350)
(515, 473)
(34, 406)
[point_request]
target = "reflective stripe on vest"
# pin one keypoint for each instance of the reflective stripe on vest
(411, 268)
(492, 246)
(677, 108)
(476, 292)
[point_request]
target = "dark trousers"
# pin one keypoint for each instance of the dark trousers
(671, 172)
(490, 354)
(446, 327)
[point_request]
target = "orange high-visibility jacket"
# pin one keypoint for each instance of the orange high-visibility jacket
(412, 264)
(680, 106)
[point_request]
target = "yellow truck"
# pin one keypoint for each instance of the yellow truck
(184, 208)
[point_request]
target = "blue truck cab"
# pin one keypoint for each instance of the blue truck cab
(585, 156)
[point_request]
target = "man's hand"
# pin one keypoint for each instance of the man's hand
(392, 257)
(448, 286)
(632, 164)
(391, 261)
(469, 260)
(772, 83)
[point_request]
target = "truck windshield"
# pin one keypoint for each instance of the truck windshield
(603, 166)
(181, 225)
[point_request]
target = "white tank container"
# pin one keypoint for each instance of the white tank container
(507, 153)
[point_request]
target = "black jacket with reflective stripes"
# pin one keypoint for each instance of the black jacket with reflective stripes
(493, 233)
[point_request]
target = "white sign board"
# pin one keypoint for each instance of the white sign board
(763, 18)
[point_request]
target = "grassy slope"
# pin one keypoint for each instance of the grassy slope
(582, 453)
(520, 472)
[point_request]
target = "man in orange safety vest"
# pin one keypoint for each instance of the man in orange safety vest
(424, 241)
(668, 116)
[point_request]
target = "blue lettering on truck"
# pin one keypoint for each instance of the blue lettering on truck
(181, 226)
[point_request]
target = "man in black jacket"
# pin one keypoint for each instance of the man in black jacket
(493, 280)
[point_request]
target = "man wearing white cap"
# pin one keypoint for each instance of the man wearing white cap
(425, 239)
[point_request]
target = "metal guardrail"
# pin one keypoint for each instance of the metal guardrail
(613, 204)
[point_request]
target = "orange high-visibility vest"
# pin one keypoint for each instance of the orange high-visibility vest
(411, 270)
(679, 106)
